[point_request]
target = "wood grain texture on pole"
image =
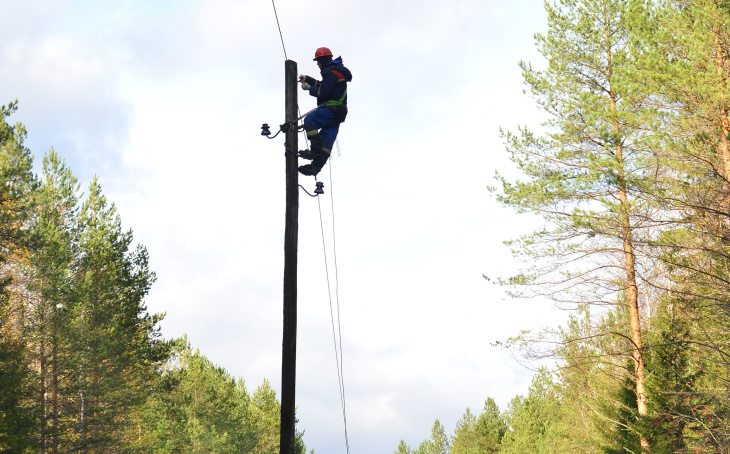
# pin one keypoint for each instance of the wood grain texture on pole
(291, 234)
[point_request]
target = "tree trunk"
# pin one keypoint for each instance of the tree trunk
(632, 294)
(721, 65)
(54, 400)
(42, 391)
(54, 382)
(632, 288)
(41, 307)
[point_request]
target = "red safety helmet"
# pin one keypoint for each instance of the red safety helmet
(322, 52)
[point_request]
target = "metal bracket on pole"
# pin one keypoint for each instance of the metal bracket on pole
(319, 190)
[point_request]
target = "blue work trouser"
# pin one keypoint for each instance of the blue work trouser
(324, 120)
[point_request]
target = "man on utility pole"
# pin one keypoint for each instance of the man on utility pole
(323, 124)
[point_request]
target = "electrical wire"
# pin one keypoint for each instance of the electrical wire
(279, 27)
(305, 190)
(336, 334)
(337, 299)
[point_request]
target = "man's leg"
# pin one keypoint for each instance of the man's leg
(320, 118)
(328, 135)
(322, 141)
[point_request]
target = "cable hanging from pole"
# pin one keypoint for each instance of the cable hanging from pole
(337, 300)
(336, 334)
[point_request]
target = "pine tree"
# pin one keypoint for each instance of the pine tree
(588, 174)
(16, 202)
(479, 435)
(672, 385)
(592, 376)
(116, 342)
(197, 407)
(490, 428)
(266, 416)
(464, 440)
(51, 262)
(437, 444)
(686, 49)
(534, 421)
(403, 448)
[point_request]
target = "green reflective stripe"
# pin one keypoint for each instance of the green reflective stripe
(337, 102)
(313, 132)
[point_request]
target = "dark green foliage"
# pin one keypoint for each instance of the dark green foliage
(623, 432)
(689, 386)
(50, 262)
(16, 198)
(117, 348)
(16, 417)
(83, 366)
(197, 407)
(16, 201)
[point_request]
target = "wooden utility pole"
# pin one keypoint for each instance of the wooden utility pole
(291, 237)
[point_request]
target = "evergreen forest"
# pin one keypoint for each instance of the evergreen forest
(630, 173)
(83, 365)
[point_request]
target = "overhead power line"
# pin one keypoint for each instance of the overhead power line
(336, 333)
(279, 27)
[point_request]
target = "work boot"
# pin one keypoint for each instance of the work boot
(317, 163)
(307, 154)
(315, 148)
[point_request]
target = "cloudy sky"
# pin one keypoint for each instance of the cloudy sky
(163, 101)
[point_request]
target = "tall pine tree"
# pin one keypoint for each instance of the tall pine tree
(437, 444)
(117, 342)
(479, 435)
(534, 421)
(686, 49)
(16, 201)
(588, 174)
(52, 257)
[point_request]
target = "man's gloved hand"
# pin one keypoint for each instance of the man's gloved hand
(305, 86)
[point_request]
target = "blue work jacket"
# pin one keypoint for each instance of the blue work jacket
(332, 90)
